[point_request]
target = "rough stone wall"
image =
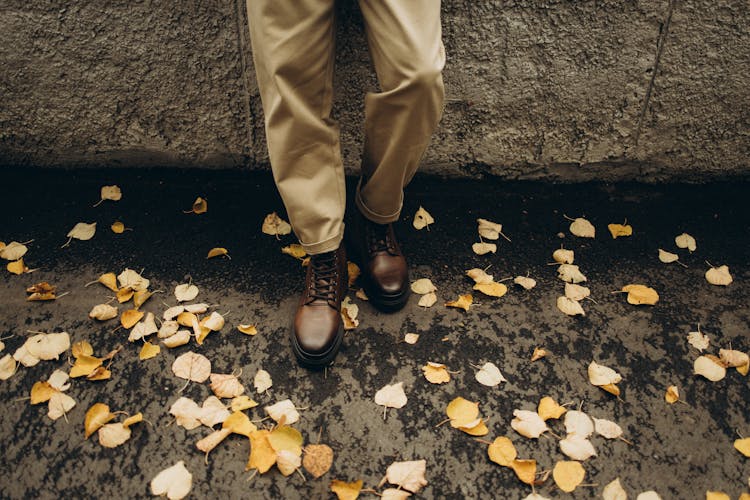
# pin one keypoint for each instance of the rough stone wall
(560, 90)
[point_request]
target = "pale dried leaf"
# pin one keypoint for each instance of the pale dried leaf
(226, 385)
(570, 273)
(213, 412)
(283, 412)
(489, 375)
(698, 340)
(192, 366)
(103, 312)
(577, 447)
(7, 367)
(719, 276)
(174, 482)
(422, 219)
(483, 248)
(607, 428)
(576, 292)
(262, 381)
(59, 404)
(407, 475)
(488, 229)
(287, 462)
(186, 412)
(563, 256)
(668, 257)
(733, 358)
(275, 225)
(479, 276)
(182, 337)
(600, 375)
(213, 440)
(569, 306)
(709, 367)
(577, 422)
(391, 396)
(82, 231)
(648, 495)
(582, 228)
(113, 435)
(423, 286)
(427, 300)
(131, 279)
(684, 240)
(411, 338)
(13, 251)
(614, 491)
(185, 292)
(143, 328)
(525, 281)
(318, 459)
(171, 313)
(528, 423)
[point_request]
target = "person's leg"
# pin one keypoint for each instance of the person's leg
(406, 48)
(293, 53)
(293, 45)
(407, 51)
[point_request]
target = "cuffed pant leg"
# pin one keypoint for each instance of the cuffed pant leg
(293, 53)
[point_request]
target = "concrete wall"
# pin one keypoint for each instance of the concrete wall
(560, 90)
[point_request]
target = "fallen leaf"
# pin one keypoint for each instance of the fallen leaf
(113, 435)
(100, 373)
(668, 257)
(672, 395)
(576, 292)
(717, 495)
(396, 494)
(538, 353)
(525, 281)
(569, 306)
(577, 447)
(181, 337)
(408, 475)
(275, 226)
(492, 289)
(411, 338)
(17, 267)
(480, 276)
(436, 373)
(287, 462)
(423, 286)
(239, 423)
(187, 319)
(577, 422)
(698, 339)
(262, 381)
(618, 230)
(129, 318)
(7, 367)
(242, 403)
(641, 294)
(192, 366)
(563, 256)
(422, 219)
(82, 231)
(124, 294)
(217, 252)
(346, 491)
(59, 404)
(295, 250)
(96, 417)
(648, 495)
(548, 408)
(534, 496)
(131, 279)
(174, 482)
(85, 365)
(226, 386)
(262, 455)
(582, 228)
(614, 491)
(187, 413)
(391, 396)
(502, 451)
(570, 273)
(208, 443)
(463, 302)
(43, 346)
(489, 375)
(112, 193)
(525, 470)
(684, 240)
(607, 428)
(13, 251)
(349, 312)
(604, 377)
(733, 358)
(567, 474)
(318, 459)
(743, 446)
(143, 328)
(488, 229)
(141, 296)
(185, 292)
(709, 367)
(103, 312)
(483, 248)
(528, 424)
(719, 276)
(200, 206)
(427, 300)
(248, 329)
(283, 412)
(213, 412)
(461, 412)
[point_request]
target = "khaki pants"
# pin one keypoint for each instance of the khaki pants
(293, 52)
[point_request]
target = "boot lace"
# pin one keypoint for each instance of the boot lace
(323, 279)
(379, 238)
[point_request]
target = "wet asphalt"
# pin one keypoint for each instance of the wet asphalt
(679, 450)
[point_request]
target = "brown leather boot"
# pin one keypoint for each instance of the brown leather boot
(374, 248)
(318, 330)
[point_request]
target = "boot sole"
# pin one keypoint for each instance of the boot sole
(317, 361)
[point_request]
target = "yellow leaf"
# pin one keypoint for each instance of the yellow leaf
(100, 373)
(744, 496)
(492, 289)
(318, 459)
(41, 392)
(475, 428)
(548, 408)
(641, 294)
(200, 206)
(211, 441)
(124, 294)
(275, 225)
(483, 248)
(538, 353)
(138, 417)
(422, 219)
(243, 403)
(463, 302)
(717, 495)
(109, 280)
(129, 318)
(354, 272)
(741, 445)
(186, 319)
(620, 230)
(216, 252)
(346, 491)
(141, 296)
(568, 474)
(744, 369)
(525, 470)
(17, 267)
(248, 329)
(462, 411)
(502, 451)
(117, 227)
(436, 373)
(295, 250)
(262, 455)
(96, 417)
(85, 365)
(82, 347)
(611, 388)
(239, 423)
(672, 394)
(287, 438)
(148, 351)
